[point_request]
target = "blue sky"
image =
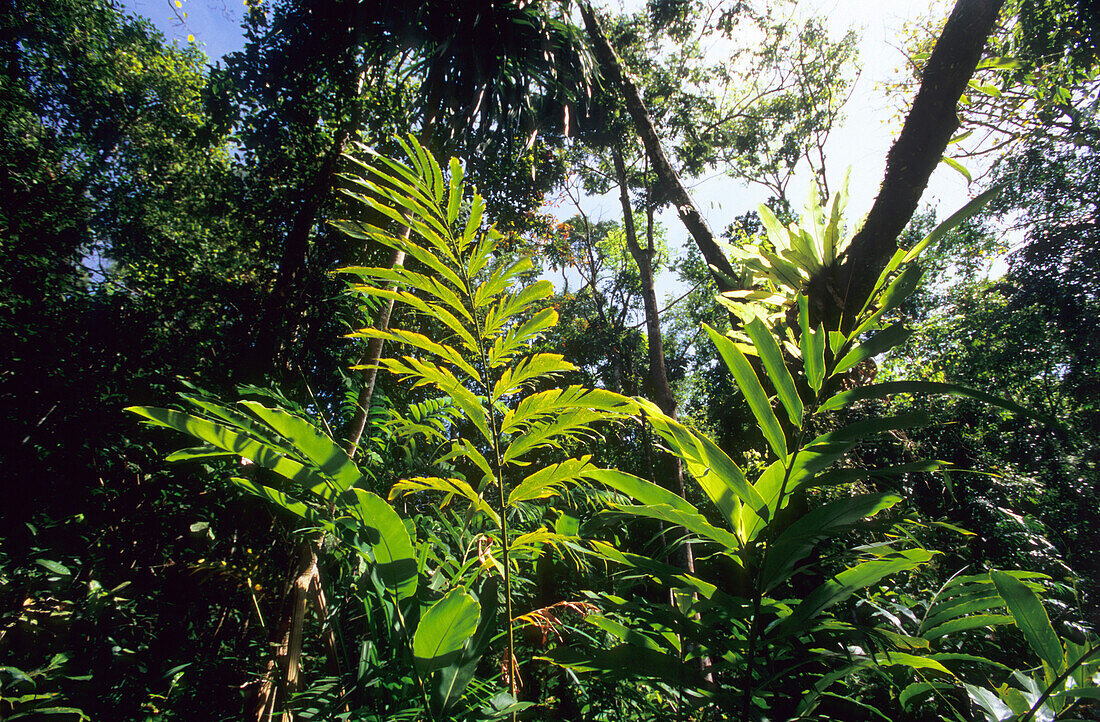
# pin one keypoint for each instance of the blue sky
(215, 24)
(860, 143)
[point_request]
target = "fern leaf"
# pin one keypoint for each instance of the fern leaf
(450, 487)
(445, 381)
(422, 342)
(566, 425)
(546, 482)
(515, 304)
(557, 401)
(539, 366)
(507, 346)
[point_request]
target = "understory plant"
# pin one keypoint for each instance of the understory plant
(444, 588)
(788, 553)
(763, 629)
(471, 336)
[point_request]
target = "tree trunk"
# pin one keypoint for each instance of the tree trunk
(669, 469)
(358, 423)
(931, 122)
(270, 332)
(671, 187)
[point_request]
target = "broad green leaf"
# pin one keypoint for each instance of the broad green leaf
(312, 443)
(812, 344)
(389, 540)
(963, 214)
(992, 706)
(444, 630)
(481, 255)
(640, 490)
(530, 544)
(913, 661)
(834, 477)
(836, 341)
(772, 358)
(693, 522)
(718, 475)
(881, 342)
(975, 598)
(859, 430)
(749, 384)
(670, 575)
(847, 583)
(777, 232)
(1031, 618)
(198, 452)
(891, 388)
(282, 500)
(797, 540)
(630, 662)
(455, 677)
(626, 634)
(915, 691)
(1075, 694)
(225, 438)
(898, 290)
(902, 256)
(430, 287)
(244, 423)
(947, 657)
(976, 621)
(473, 223)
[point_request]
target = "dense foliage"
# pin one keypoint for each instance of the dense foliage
(438, 484)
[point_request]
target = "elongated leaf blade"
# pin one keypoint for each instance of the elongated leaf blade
(847, 583)
(749, 384)
(1031, 618)
(312, 443)
(693, 522)
(224, 437)
(891, 388)
(772, 358)
(799, 538)
(974, 621)
(812, 344)
(390, 542)
(640, 490)
(719, 476)
(880, 343)
(444, 630)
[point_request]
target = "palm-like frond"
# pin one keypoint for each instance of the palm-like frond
(485, 360)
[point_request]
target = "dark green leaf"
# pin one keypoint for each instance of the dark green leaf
(1031, 618)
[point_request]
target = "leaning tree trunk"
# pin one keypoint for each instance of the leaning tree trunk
(271, 332)
(671, 188)
(928, 128)
(669, 468)
(307, 582)
(354, 432)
